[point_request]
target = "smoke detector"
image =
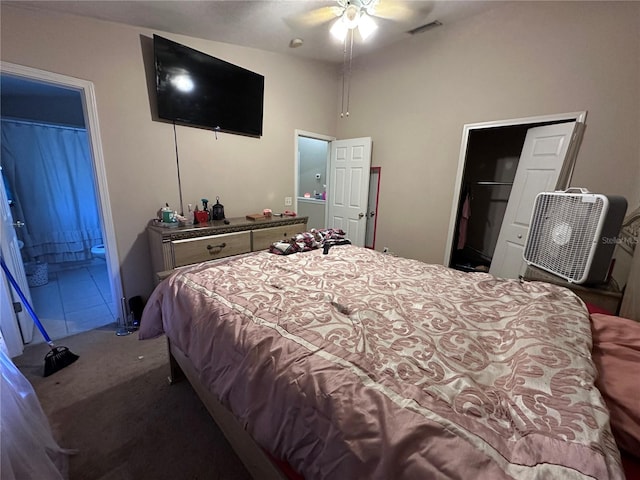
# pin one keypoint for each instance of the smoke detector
(296, 42)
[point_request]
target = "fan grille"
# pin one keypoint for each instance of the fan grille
(563, 232)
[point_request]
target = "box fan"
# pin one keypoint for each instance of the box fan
(573, 234)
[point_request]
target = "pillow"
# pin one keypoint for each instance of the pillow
(616, 353)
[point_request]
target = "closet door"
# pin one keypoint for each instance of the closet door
(545, 151)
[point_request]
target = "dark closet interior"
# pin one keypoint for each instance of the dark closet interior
(490, 168)
(491, 162)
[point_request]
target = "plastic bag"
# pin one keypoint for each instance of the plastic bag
(27, 444)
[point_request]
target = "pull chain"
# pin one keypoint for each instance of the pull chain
(349, 78)
(344, 72)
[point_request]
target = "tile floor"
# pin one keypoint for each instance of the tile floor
(77, 298)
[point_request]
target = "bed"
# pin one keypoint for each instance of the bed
(360, 365)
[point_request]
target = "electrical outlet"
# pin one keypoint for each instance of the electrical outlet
(288, 201)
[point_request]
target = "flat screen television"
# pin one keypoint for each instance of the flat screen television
(196, 89)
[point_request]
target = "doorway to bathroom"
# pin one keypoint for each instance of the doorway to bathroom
(335, 185)
(49, 178)
(311, 189)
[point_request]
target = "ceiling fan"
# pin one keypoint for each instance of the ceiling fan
(349, 16)
(356, 15)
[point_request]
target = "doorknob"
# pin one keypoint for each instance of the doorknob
(18, 224)
(360, 215)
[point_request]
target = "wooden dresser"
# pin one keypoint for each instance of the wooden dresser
(179, 246)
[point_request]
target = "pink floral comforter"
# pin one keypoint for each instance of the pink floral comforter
(359, 365)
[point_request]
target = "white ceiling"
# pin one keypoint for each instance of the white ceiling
(268, 24)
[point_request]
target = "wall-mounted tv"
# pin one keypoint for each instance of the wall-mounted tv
(196, 89)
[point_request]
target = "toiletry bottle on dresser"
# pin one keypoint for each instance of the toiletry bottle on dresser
(189, 220)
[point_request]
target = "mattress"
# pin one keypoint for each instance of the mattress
(361, 365)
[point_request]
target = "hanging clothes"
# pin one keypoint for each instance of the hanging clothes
(465, 215)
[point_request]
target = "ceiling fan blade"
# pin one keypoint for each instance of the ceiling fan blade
(394, 10)
(315, 17)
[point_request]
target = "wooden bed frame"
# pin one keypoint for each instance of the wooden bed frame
(254, 458)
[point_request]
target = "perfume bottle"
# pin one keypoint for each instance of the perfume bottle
(190, 217)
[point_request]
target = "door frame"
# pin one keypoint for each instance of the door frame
(90, 107)
(565, 174)
(374, 171)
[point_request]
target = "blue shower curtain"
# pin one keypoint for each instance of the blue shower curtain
(49, 170)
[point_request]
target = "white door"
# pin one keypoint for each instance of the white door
(541, 161)
(14, 337)
(349, 187)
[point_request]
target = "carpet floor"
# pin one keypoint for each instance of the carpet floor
(115, 406)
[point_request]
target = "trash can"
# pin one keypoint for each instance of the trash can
(37, 273)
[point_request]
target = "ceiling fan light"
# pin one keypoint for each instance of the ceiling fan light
(339, 29)
(366, 26)
(351, 16)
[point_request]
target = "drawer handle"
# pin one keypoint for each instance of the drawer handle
(221, 246)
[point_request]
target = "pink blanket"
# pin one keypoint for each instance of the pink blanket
(361, 365)
(616, 353)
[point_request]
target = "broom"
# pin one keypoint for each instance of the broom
(58, 357)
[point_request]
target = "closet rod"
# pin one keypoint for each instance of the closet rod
(494, 184)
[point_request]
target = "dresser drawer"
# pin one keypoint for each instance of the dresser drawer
(264, 237)
(202, 249)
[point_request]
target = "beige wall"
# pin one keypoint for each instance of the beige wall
(518, 60)
(248, 174)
